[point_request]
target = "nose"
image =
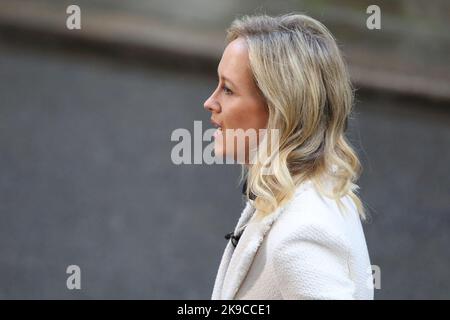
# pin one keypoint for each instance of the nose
(211, 104)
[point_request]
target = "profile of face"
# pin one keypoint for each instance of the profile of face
(236, 103)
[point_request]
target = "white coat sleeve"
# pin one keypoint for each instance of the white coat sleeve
(312, 263)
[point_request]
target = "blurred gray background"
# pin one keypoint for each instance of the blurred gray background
(85, 123)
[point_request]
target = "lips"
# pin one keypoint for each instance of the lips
(218, 132)
(216, 124)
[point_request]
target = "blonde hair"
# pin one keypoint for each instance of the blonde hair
(297, 66)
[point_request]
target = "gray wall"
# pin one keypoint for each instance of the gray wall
(86, 178)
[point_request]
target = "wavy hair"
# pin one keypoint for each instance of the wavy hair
(298, 68)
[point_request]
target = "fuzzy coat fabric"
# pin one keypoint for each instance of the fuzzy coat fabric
(306, 249)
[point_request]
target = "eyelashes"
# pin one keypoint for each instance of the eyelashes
(226, 90)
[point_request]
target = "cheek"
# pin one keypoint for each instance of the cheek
(246, 114)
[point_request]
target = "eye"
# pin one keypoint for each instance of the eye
(226, 90)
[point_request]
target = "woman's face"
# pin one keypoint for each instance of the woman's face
(236, 103)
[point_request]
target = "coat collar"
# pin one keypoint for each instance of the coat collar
(228, 253)
(245, 252)
(236, 262)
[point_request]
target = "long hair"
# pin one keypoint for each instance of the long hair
(298, 68)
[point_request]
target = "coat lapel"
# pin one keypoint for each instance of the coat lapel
(229, 249)
(244, 253)
(236, 262)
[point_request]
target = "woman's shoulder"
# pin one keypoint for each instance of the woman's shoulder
(316, 250)
(309, 205)
(312, 216)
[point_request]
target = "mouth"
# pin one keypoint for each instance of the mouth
(216, 124)
(218, 132)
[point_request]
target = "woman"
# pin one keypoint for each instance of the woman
(299, 235)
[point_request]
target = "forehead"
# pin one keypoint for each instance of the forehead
(235, 62)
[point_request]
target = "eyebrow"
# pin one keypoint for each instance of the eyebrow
(226, 79)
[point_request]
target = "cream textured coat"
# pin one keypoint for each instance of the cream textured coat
(306, 249)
